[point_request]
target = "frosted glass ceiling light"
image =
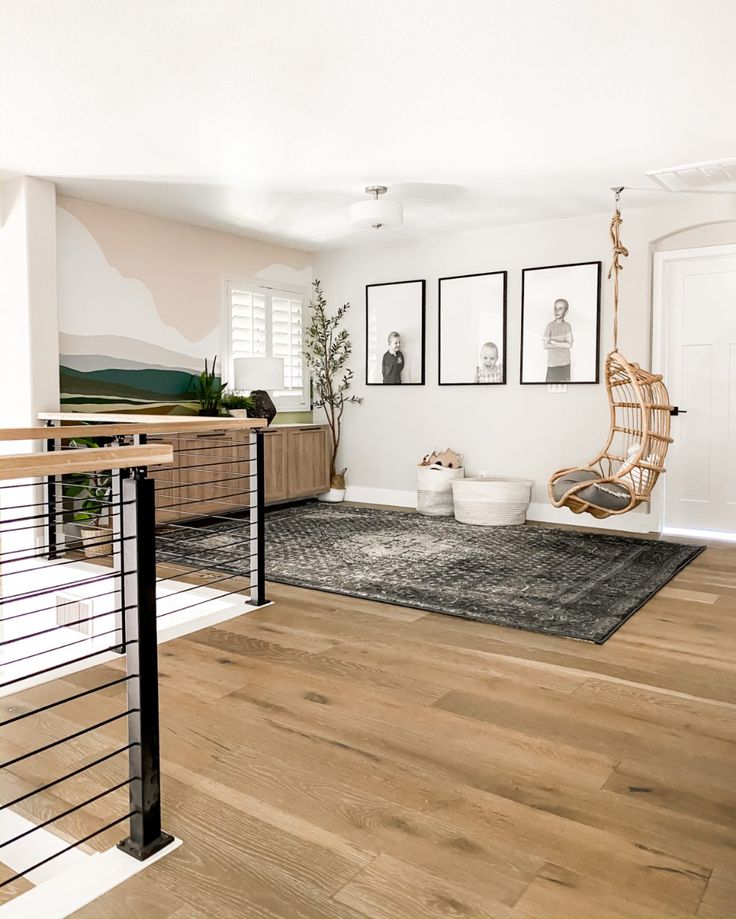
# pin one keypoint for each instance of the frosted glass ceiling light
(376, 213)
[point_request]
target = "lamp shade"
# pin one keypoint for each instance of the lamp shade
(258, 373)
(377, 213)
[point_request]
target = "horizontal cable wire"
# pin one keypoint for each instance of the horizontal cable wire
(27, 595)
(40, 549)
(235, 520)
(218, 463)
(48, 609)
(74, 736)
(58, 702)
(232, 478)
(66, 813)
(185, 590)
(201, 530)
(74, 660)
(73, 845)
(56, 628)
(213, 566)
(54, 564)
(241, 515)
(69, 775)
(193, 543)
(59, 498)
(225, 444)
(232, 494)
(70, 644)
(246, 598)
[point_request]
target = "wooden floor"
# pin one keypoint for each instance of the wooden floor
(331, 757)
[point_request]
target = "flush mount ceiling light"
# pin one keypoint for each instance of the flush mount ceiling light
(376, 213)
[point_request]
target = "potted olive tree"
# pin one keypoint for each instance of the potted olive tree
(326, 350)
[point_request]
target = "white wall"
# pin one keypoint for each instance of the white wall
(512, 429)
(29, 349)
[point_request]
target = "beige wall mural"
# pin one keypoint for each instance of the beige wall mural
(141, 301)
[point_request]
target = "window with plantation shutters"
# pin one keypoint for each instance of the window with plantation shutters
(264, 321)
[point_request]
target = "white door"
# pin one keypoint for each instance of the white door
(696, 298)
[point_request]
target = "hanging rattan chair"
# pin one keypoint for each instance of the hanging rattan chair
(626, 470)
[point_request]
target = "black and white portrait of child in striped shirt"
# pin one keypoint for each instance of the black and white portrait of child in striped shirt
(489, 368)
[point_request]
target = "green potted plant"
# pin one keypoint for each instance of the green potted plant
(90, 493)
(326, 351)
(208, 390)
(237, 404)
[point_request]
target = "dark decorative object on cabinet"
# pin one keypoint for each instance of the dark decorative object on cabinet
(263, 406)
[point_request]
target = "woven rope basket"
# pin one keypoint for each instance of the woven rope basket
(434, 490)
(488, 502)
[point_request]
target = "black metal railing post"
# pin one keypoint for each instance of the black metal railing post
(257, 519)
(139, 591)
(51, 499)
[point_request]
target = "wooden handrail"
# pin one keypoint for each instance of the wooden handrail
(165, 420)
(31, 465)
(157, 424)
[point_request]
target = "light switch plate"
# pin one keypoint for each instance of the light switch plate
(557, 387)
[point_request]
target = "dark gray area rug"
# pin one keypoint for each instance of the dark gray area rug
(559, 582)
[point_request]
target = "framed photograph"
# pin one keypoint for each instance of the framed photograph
(472, 329)
(394, 333)
(560, 323)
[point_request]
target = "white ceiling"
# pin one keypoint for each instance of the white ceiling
(267, 117)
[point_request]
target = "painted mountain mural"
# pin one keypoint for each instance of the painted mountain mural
(101, 378)
(133, 361)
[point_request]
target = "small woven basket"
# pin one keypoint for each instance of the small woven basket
(488, 502)
(96, 541)
(434, 490)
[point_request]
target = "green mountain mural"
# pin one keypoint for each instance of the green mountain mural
(134, 390)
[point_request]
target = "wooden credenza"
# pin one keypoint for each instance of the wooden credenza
(207, 475)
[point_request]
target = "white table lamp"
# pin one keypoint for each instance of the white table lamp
(256, 375)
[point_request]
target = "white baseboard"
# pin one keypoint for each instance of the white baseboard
(633, 522)
(391, 496)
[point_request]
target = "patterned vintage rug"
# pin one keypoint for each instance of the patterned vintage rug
(560, 582)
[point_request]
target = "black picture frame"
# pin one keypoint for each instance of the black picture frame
(373, 335)
(594, 309)
(504, 333)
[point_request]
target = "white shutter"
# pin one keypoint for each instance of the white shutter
(248, 325)
(265, 322)
(286, 332)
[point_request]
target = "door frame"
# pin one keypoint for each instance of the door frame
(662, 261)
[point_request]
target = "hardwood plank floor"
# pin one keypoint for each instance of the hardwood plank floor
(335, 757)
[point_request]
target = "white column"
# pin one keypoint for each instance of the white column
(29, 327)
(29, 336)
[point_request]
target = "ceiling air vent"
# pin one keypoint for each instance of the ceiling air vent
(715, 176)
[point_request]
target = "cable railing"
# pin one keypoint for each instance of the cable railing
(212, 494)
(69, 778)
